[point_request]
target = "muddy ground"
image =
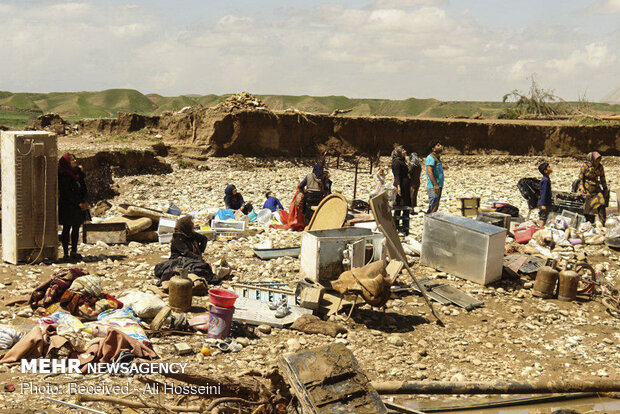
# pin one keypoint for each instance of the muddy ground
(515, 336)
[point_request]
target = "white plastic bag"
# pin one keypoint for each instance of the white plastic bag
(146, 305)
(9, 336)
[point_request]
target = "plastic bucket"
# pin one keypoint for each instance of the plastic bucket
(220, 322)
(222, 298)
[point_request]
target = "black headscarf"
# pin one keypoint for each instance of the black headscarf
(317, 170)
(398, 152)
(542, 167)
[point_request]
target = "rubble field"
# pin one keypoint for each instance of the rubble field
(514, 336)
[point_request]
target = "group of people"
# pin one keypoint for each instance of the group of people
(187, 245)
(407, 172)
(591, 183)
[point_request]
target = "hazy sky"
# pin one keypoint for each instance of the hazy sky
(446, 49)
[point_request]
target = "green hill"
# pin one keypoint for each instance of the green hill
(19, 109)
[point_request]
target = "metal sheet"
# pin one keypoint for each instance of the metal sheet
(268, 254)
(381, 212)
(255, 312)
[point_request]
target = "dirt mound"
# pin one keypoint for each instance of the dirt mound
(51, 122)
(243, 101)
(204, 132)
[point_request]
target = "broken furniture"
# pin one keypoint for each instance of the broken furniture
(108, 233)
(134, 225)
(574, 219)
(468, 206)
(268, 254)
(323, 251)
(331, 213)
(447, 294)
(525, 264)
(329, 380)
(256, 312)
(385, 224)
(310, 293)
(464, 247)
(495, 218)
(131, 210)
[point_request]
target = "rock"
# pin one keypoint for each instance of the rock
(293, 345)
(395, 340)
(458, 378)
(265, 329)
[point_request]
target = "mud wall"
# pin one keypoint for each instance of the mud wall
(207, 132)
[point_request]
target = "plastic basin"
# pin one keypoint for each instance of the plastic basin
(222, 298)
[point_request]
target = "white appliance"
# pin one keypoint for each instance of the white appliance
(29, 196)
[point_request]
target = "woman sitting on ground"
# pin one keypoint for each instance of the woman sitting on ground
(234, 200)
(186, 251)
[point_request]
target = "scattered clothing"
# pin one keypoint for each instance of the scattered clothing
(273, 204)
(311, 324)
(50, 292)
(294, 219)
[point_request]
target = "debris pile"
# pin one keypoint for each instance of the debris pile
(51, 122)
(243, 101)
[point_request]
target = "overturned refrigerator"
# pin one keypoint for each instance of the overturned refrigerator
(464, 247)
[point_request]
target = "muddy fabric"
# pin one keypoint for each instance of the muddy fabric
(370, 281)
(86, 306)
(36, 344)
(293, 220)
(311, 324)
(112, 345)
(51, 291)
(166, 270)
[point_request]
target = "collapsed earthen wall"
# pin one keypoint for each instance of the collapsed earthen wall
(264, 133)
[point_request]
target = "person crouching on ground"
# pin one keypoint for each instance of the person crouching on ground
(403, 187)
(545, 200)
(234, 200)
(72, 204)
(434, 175)
(272, 203)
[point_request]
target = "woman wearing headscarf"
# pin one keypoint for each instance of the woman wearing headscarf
(72, 204)
(186, 251)
(313, 188)
(593, 184)
(402, 183)
(234, 200)
(415, 170)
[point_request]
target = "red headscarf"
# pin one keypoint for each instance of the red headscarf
(64, 166)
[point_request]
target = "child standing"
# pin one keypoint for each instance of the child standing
(545, 200)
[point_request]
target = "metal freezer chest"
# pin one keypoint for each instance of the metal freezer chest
(463, 247)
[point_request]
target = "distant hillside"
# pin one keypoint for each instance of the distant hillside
(19, 109)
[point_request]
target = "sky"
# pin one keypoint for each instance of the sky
(444, 49)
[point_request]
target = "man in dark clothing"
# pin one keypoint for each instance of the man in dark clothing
(234, 200)
(545, 201)
(415, 171)
(402, 184)
(272, 203)
(72, 204)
